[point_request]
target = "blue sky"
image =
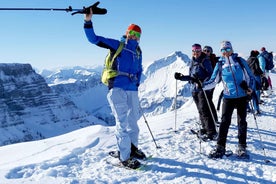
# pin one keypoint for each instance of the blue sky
(47, 39)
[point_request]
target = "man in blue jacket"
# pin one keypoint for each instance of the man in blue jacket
(123, 90)
(238, 82)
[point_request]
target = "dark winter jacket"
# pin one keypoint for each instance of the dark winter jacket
(201, 69)
(254, 65)
(232, 74)
(128, 61)
(214, 59)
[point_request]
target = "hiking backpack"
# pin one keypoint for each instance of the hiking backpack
(265, 83)
(269, 65)
(109, 70)
(254, 65)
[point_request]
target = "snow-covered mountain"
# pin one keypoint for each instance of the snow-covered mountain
(30, 110)
(74, 97)
(83, 86)
(160, 97)
(69, 98)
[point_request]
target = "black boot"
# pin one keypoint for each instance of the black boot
(136, 153)
(131, 163)
(218, 152)
(241, 151)
(211, 137)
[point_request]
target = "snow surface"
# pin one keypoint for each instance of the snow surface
(79, 157)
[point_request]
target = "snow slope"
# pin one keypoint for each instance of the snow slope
(79, 157)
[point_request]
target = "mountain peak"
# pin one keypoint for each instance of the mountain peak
(164, 62)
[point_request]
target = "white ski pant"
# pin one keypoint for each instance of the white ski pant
(125, 108)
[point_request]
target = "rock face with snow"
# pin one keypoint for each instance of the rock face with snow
(30, 110)
(83, 87)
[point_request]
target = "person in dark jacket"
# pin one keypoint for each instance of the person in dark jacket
(201, 70)
(208, 50)
(262, 62)
(123, 90)
(254, 65)
(238, 82)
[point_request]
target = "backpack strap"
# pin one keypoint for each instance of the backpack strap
(200, 64)
(118, 51)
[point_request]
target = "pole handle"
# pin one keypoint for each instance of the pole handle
(95, 9)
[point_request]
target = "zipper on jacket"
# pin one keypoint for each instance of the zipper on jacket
(235, 81)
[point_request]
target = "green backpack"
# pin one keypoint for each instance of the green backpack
(109, 71)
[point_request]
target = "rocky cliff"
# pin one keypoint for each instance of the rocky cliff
(30, 110)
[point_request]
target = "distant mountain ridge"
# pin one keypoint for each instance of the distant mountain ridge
(30, 110)
(155, 99)
(52, 102)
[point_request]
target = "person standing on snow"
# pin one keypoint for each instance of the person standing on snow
(262, 61)
(208, 50)
(238, 82)
(253, 64)
(201, 69)
(123, 90)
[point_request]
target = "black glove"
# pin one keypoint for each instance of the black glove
(194, 80)
(244, 85)
(177, 75)
(248, 98)
(197, 81)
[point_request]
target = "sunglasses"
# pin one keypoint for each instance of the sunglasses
(206, 50)
(226, 50)
(134, 33)
(196, 50)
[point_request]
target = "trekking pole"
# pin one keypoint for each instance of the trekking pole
(200, 141)
(157, 147)
(266, 160)
(209, 106)
(219, 100)
(84, 10)
(175, 106)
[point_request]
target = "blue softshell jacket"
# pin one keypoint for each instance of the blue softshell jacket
(129, 60)
(232, 76)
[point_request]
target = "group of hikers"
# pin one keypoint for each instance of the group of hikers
(239, 78)
(241, 82)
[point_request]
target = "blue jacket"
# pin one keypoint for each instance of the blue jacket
(232, 76)
(129, 60)
(262, 61)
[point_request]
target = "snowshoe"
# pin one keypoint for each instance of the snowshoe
(138, 154)
(115, 154)
(202, 135)
(242, 153)
(218, 152)
(209, 137)
(131, 163)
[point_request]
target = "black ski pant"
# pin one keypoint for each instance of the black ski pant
(228, 107)
(204, 111)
